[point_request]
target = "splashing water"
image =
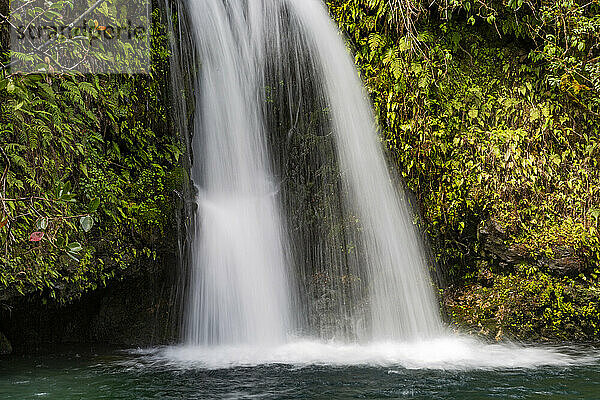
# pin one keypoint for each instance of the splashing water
(446, 353)
(301, 230)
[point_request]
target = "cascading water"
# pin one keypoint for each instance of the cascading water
(401, 301)
(240, 287)
(244, 255)
(302, 249)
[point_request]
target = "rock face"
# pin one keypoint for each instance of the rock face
(516, 294)
(565, 261)
(5, 346)
(140, 310)
(494, 244)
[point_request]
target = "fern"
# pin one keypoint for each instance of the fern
(33, 185)
(376, 41)
(390, 55)
(18, 161)
(47, 90)
(89, 89)
(396, 67)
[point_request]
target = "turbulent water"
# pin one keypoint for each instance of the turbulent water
(240, 283)
(151, 375)
(300, 228)
(448, 353)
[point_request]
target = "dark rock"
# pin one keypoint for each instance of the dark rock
(140, 310)
(564, 262)
(5, 346)
(494, 242)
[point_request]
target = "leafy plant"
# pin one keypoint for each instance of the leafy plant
(89, 165)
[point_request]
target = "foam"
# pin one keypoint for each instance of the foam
(448, 353)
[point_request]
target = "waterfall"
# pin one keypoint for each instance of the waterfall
(240, 273)
(300, 228)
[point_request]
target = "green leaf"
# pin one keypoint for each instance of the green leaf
(70, 197)
(41, 223)
(404, 44)
(534, 114)
(94, 205)
(86, 223)
(73, 256)
(74, 247)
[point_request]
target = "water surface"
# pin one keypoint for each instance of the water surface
(312, 371)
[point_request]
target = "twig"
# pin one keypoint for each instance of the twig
(4, 208)
(33, 198)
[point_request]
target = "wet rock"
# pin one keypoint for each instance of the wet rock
(138, 310)
(5, 346)
(564, 262)
(494, 242)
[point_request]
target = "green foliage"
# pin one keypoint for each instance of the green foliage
(491, 112)
(65, 35)
(89, 166)
(528, 303)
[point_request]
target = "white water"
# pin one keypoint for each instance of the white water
(243, 306)
(449, 353)
(402, 304)
(241, 286)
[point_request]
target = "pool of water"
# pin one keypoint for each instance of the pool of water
(309, 370)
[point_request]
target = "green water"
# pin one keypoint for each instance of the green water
(126, 375)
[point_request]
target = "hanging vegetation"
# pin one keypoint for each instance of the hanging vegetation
(88, 168)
